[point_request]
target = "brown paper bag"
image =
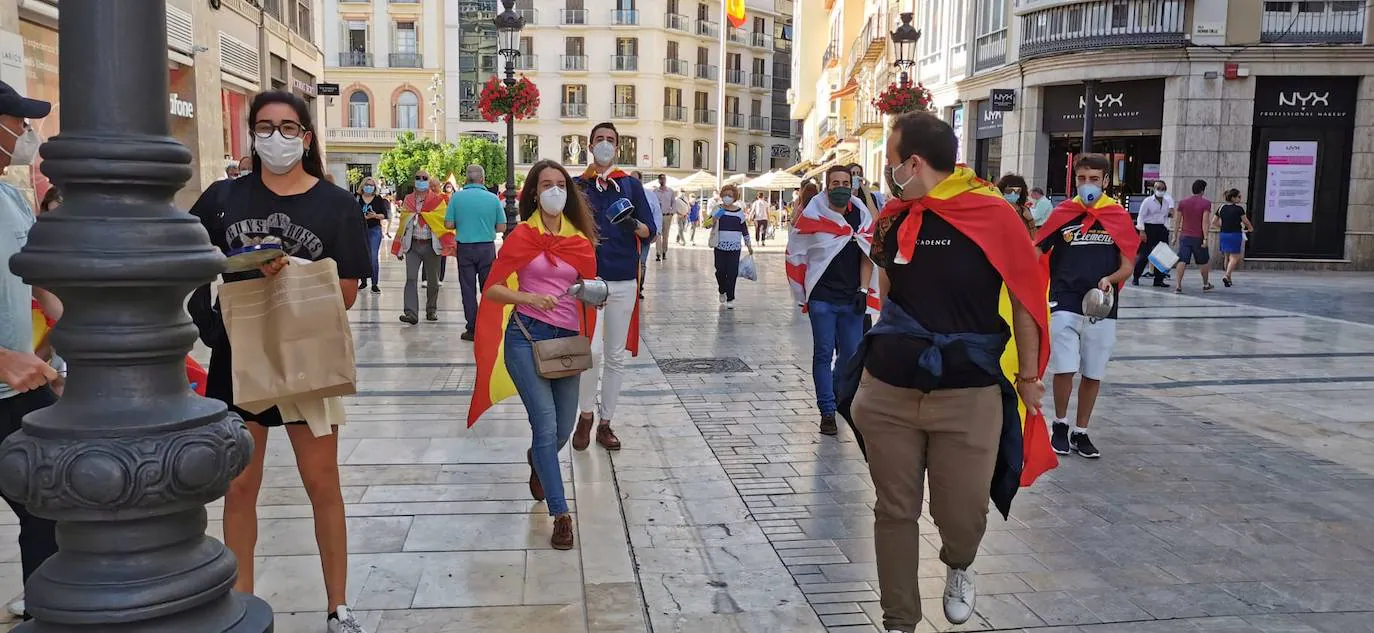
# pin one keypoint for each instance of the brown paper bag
(290, 336)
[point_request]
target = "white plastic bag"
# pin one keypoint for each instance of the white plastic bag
(747, 270)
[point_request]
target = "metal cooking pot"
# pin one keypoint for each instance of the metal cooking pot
(593, 292)
(1097, 304)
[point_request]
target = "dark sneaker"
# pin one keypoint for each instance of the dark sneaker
(431, 315)
(376, 290)
(562, 533)
(582, 435)
(606, 437)
(468, 336)
(1059, 437)
(409, 317)
(828, 426)
(536, 488)
(1084, 446)
(362, 284)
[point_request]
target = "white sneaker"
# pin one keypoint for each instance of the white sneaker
(441, 284)
(960, 595)
(729, 305)
(16, 608)
(344, 622)
(722, 298)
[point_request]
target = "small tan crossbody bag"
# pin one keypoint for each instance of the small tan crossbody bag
(561, 357)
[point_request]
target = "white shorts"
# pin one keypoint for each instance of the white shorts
(1077, 346)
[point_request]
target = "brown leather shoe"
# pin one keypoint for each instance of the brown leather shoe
(606, 437)
(536, 488)
(582, 435)
(828, 426)
(562, 532)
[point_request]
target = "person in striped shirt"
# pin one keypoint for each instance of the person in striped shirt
(728, 236)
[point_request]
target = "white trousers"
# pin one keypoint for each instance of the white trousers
(608, 350)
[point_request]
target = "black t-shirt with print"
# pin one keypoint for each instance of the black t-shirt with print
(950, 287)
(322, 222)
(1231, 215)
(379, 205)
(839, 284)
(1079, 259)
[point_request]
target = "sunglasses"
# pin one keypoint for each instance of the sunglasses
(422, 177)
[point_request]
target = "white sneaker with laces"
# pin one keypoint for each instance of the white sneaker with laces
(16, 607)
(960, 595)
(343, 621)
(722, 298)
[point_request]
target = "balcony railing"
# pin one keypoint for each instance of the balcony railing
(677, 22)
(704, 117)
(526, 61)
(624, 17)
(869, 47)
(1102, 24)
(990, 50)
(735, 76)
(707, 28)
(760, 40)
(958, 60)
(573, 62)
(759, 123)
(355, 59)
(531, 16)
(405, 60)
(738, 36)
(674, 113)
(624, 111)
(573, 111)
(931, 68)
(572, 16)
(831, 56)
(362, 135)
(706, 71)
(868, 119)
(734, 119)
(625, 63)
(1313, 22)
(829, 126)
(680, 67)
(761, 81)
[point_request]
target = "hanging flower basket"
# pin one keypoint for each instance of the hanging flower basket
(896, 99)
(500, 102)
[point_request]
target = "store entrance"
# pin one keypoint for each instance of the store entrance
(1134, 160)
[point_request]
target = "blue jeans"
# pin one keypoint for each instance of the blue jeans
(551, 405)
(833, 327)
(374, 246)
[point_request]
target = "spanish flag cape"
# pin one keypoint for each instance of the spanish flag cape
(433, 215)
(610, 179)
(529, 240)
(1107, 212)
(974, 207)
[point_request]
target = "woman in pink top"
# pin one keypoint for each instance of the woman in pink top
(552, 213)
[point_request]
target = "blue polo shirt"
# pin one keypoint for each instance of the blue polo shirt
(475, 212)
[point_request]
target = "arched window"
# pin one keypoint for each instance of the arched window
(408, 111)
(359, 110)
(701, 155)
(730, 152)
(672, 153)
(574, 150)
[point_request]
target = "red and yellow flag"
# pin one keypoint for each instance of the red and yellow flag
(734, 12)
(529, 240)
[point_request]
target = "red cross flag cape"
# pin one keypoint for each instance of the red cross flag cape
(1107, 211)
(528, 241)
(975, 207)
(817, 236)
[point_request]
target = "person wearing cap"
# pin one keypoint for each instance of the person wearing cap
(25, 379)
(1092, 243)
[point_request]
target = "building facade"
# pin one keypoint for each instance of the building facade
(387, 56)
(1274, 99)
(217, 58)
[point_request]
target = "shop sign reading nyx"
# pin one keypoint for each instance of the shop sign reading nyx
(1305, 101)
(1120, 105)
(989, 122)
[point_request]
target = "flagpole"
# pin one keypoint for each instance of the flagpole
(720, 99)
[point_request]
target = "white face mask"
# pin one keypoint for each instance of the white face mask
(728, 200)
(278, 153)
(25, 147)
(553, 199)
(603, 153)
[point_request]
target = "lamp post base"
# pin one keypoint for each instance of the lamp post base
(235, 613)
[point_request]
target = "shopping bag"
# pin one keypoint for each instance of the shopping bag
(747, 270)
(290, 336)
(1163, 257)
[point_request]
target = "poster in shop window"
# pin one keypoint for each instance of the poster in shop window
(1291, 181)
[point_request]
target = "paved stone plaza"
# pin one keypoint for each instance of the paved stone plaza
(1236, 491)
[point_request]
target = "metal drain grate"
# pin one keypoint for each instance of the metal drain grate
(723, 365)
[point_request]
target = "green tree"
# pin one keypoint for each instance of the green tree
(399, 164)
(355, 176)
(491, 156)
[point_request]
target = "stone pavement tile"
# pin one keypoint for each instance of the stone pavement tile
(1057, 607)
(484, 620)
(615, 608)
(440, 533)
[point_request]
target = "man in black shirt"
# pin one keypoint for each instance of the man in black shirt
(934, 400)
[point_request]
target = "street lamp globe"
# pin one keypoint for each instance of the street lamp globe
(508, 26)
(904, 41)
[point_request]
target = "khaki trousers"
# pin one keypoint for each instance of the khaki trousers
(952, 435)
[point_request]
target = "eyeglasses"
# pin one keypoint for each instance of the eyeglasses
(422, 177)
(288, 129)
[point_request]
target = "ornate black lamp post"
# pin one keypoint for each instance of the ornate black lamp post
(904, 40)
(128, 458)
(508, 26)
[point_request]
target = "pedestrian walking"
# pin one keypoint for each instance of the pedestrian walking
(1152, 223)
(375, 210)
(447, 191)
(624, 224)
(729, 235)
(680, 210)
(286, 199)
(694, 217)
(1014, 188)
(864, 191)
(758, 214)
(1091, 243)
(1041, 207)
(476, 216)
(26, 380)
(666, 198)
(419, 242)
(656, 217)
(547, 252)
(833, 279)
(1190, 229)
(1233, 225)
(929, 395)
